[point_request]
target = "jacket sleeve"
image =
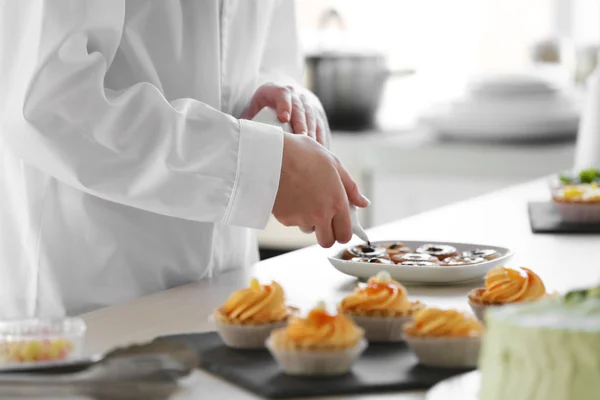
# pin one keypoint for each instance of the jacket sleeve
(180, 158)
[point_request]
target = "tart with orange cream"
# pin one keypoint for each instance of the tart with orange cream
(380, 308)
(249, 315)
(504, 286)
(444, 338)
(321, 343)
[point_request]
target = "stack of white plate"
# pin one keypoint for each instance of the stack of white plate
(507, 107)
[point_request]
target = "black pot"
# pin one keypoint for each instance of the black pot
(348, 83)
(349, 86)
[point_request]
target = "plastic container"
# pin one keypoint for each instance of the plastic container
(41, 340)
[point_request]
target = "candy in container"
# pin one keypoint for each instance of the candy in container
(41, 340)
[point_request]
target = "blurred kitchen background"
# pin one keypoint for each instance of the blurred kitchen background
(435, 101)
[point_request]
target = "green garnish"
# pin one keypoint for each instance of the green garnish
(589, 175)
(595, 292)
(576, 296)
(565, 179)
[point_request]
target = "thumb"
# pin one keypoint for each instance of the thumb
(355, 197)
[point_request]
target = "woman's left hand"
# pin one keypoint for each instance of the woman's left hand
(298, 106)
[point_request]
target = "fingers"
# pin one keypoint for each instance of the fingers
(324, 125)
(342, 225)
(325, 236)
(252, 110)
(311, 117)
(298, 116)
(354, 195)
(274, 96)
(291, 106)
(338, 229)
(307, 230)
(321, 131)
(283, 104)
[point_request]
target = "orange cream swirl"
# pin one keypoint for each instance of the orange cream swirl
(506, 285)
(257, 304)
(434, 322)
(319, 330)
(382, 296)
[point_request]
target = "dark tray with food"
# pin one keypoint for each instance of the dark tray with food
(381, 368)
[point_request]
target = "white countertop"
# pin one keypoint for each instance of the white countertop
(499, 219)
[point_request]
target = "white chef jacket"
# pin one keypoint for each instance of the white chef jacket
(123, 170)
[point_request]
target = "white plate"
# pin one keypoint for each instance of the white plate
(423, 274)
(461, 387)
(505, 119)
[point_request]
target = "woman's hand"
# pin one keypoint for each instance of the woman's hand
(322, 202)
(298, 106)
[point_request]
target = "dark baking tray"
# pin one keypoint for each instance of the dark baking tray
(544, 218)
(382, 368)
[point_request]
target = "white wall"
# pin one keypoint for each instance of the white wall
(452, 34)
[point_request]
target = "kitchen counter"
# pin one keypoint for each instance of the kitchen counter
(499, 218)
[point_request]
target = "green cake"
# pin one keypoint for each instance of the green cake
(545, 350)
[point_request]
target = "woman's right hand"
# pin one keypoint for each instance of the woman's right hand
(315, 191)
